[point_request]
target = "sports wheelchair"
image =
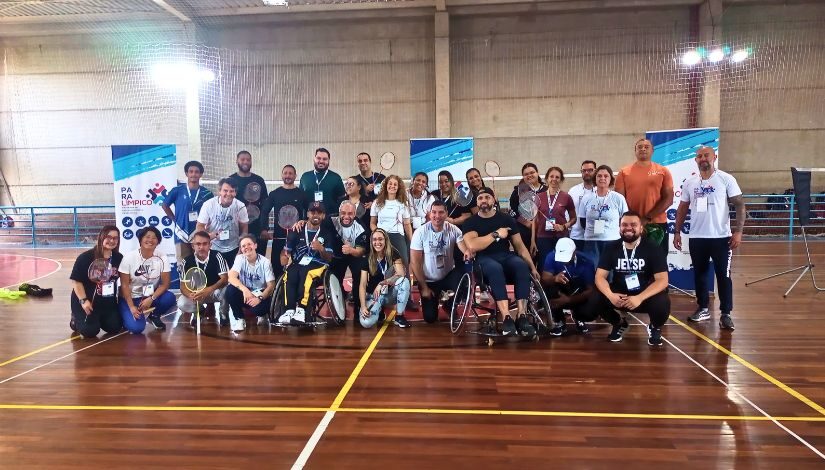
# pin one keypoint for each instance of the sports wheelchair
(464, 304)
(327, 306)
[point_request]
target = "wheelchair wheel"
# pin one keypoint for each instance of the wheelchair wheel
(462, 303)
(276, 309)
(335, 301)
(539, 307)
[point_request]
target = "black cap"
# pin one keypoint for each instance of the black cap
(486, 190)
(316, 206)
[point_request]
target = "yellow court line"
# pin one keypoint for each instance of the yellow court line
(752, 367)
(361, 363)
(299, 409)
(36, 351)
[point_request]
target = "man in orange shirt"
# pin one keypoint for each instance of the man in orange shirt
(648, 189)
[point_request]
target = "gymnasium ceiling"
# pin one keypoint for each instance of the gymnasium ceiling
(60, 17)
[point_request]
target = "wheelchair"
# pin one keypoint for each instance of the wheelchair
(464, 304)
(327, 306)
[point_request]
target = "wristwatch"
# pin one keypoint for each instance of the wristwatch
(496, 236)
(83, 300)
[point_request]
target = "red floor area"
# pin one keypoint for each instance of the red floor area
(15, 269)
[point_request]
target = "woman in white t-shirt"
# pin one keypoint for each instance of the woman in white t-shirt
(251, 283)
(144, 291)
(601, 210)
(420, 199)
(390, 211)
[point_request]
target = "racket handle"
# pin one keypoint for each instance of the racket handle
(149, 310)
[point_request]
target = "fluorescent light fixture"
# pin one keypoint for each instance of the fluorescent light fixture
(716, 55)
(691, 58)
(180, 75)
(739, 56)
(276, 3)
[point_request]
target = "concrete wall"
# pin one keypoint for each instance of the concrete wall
(553, 88)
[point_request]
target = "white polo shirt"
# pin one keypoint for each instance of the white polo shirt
(714, 222)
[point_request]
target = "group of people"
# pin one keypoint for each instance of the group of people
(599, 249)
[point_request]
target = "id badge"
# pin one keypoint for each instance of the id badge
(223, 235)
(108, 289)
(305, 261)
(632, 281)
(439, 261)
(416, 221)
(598, 226)
(148, 290)
(193, 216)
(548, 225)
(701, 204)
(319, 196)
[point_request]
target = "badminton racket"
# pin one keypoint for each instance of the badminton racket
(195, 281)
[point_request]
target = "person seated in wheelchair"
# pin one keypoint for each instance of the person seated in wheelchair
(306, 257)
(568, 280)
(350, 249)
(383, 282)
(251, 283)
(432, 259)
(490, 234)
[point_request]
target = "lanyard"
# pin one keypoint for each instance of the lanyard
(439, 243)
(224, 222)
(198, 262)
(192, 201)
(317, 181)
(419, 203)
(382, 265)
(633, 253)
(701, 182)
(600, 204)
(306, 237)
(368, 182)
(550, 203)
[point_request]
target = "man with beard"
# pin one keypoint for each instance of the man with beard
(306, 256)
(432, 259)
(490, 234)
(243, 178)
(639, 272)
(350, 249)
(648, 189)
(578, 193)
(368, 178)
(322, 184)
(287, 195)
(706, 196)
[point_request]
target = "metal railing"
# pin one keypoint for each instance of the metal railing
(769, 215)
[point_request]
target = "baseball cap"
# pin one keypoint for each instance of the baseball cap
(316, 206)
(486, 190)
(564, 250)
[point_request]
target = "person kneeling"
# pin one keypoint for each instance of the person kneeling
(639, 282)
(306, 256)
(251, 283)
(213, 264)
(568, 280)
(383, 276)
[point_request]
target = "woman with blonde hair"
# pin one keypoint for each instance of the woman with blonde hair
(382, 282)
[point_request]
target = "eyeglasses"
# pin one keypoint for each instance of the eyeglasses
(112, 239)
(349, 184)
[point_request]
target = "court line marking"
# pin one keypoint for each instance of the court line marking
(442, 411)
(753, 368)
(319, 431)
(36, 351)
(59, 267)
(740, 395)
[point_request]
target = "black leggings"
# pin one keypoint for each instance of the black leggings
(105, 316)
(657, 307)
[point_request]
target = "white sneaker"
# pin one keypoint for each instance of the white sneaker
(484, 296)
(299, 317)
(286, 316)
(237, 324)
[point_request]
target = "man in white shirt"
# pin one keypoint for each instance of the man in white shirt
(705, 197)
(432, 259)
(225, 219)
(577, 193)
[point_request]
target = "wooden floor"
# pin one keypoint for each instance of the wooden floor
(420, 398)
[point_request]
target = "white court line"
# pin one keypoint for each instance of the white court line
(740, 395)
(59, 267)
(302, 459)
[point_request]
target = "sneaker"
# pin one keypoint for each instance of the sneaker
(582, 327)
(559, 329)
(484, 296)
(223, 320)
(72, 325)
(286, 316)
(654, 336)
(701, 314)
(445, 296)
(299, 317)
(525, 327)
(726, 322)
(618, 331)
(193, 322)
(401, 321)
(508, 326)
(237, 324)
(156, 322)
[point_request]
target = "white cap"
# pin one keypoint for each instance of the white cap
(564, 250)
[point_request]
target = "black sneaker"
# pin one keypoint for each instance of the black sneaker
(559, 329)
(582, 327)
(401, 321)
(618, 331)
(223, 320)
(524, 326)
(701, 314)
(508, 326)
(156, 322)
(654, 336)
(726, 322)
(72, 325)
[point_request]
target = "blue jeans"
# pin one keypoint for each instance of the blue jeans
(398, 294)
(162, 305)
